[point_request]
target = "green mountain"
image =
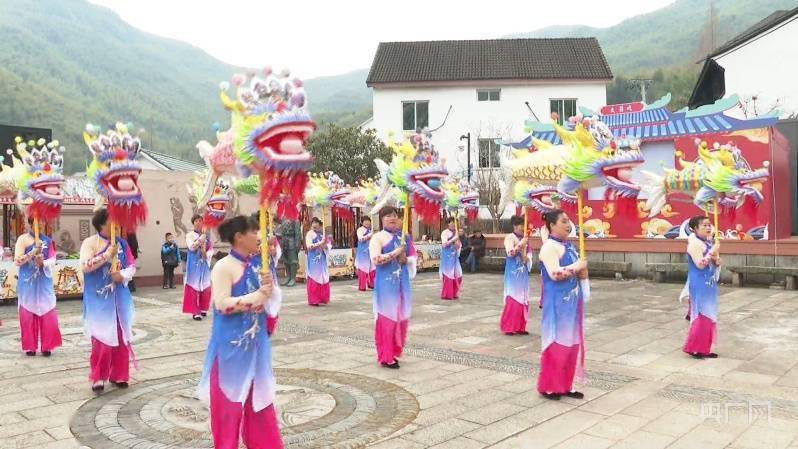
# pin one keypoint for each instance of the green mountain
(64, 63)
(67, 62)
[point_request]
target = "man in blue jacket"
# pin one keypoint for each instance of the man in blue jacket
(170, 259)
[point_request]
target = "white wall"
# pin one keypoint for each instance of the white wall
(485, 119)
(766, 67)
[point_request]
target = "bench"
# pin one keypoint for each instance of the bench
(662, 269)
(790, 274)
(618, 269)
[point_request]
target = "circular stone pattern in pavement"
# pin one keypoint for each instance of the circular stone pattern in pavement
(315, 409)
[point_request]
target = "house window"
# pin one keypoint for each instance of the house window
(488, 153)
(564, 107)
(415, 115)
(489, 95)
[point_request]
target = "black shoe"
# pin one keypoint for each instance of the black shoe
(711, 355)
(696, 355)
(30, 353)
(575, 395)
(396, 362)
(204, 313)
(197, 318)
(172, 286)
(120, 384)
(522, 333)
(97, 388)
(394, 365)
(551, 396)
(687, 317)
(509, 333)
(46, 353)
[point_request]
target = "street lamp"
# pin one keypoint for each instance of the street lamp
(467, 138)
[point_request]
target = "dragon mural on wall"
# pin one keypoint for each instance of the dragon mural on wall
(719, 173)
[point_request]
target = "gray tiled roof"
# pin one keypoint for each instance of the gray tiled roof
(495, 59)
(758, 28)
(173, 163)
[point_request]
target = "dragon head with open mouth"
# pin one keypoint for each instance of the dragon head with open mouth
(592, 163)
(271, 126)
(416, 171)
(458, 194)
(40, 182)
(213, 202)
(328, 190)
(115, 172)
(539, 197)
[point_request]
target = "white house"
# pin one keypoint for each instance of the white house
(482, 89)
(759, 65)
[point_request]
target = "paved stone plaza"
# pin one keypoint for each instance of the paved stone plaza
(462, 384)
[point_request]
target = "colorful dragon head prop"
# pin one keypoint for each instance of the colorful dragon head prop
(720, 174)
(588, 157)
(39, 182)
(115, 173)
(270, 127)
(327, 190)
(459, 195)
(214, 204)
(540, 198)
(416, 172)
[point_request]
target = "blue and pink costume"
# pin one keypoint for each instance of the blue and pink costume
(451, 273)
(317, 274)
(38, 320)
(392, 300)
(108, 312)
(702, 283)
(365, 269)
(237, 378)
(516, 288)
(561, 332)
(197, 288)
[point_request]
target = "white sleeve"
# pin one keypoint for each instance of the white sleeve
(128, 273)
(412, 266)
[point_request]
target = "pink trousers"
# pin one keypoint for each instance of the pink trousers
(38, 330)
(701, 336)
(110, 362)
(259, 429)
(557, 368)
(513, 316)
(451, 287)
(365, 280)
(195, 302)
(389, 337)
(317, 293)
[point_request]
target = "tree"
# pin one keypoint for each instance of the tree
(349, 152)
(487, 182)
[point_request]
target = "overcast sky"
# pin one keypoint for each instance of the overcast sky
(316, 38)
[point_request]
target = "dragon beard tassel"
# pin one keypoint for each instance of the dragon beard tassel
(344, 213)
(44, 212)
(128, 216)
(212, 221)
(471, 215)
(428, 212)
(286, 191)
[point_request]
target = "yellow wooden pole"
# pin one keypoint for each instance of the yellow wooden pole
(457, 222)
(406, 220)
(115, 260)
(715, 213)
(526, 220)
(581, 224)
(36, 231)
(264, 240)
